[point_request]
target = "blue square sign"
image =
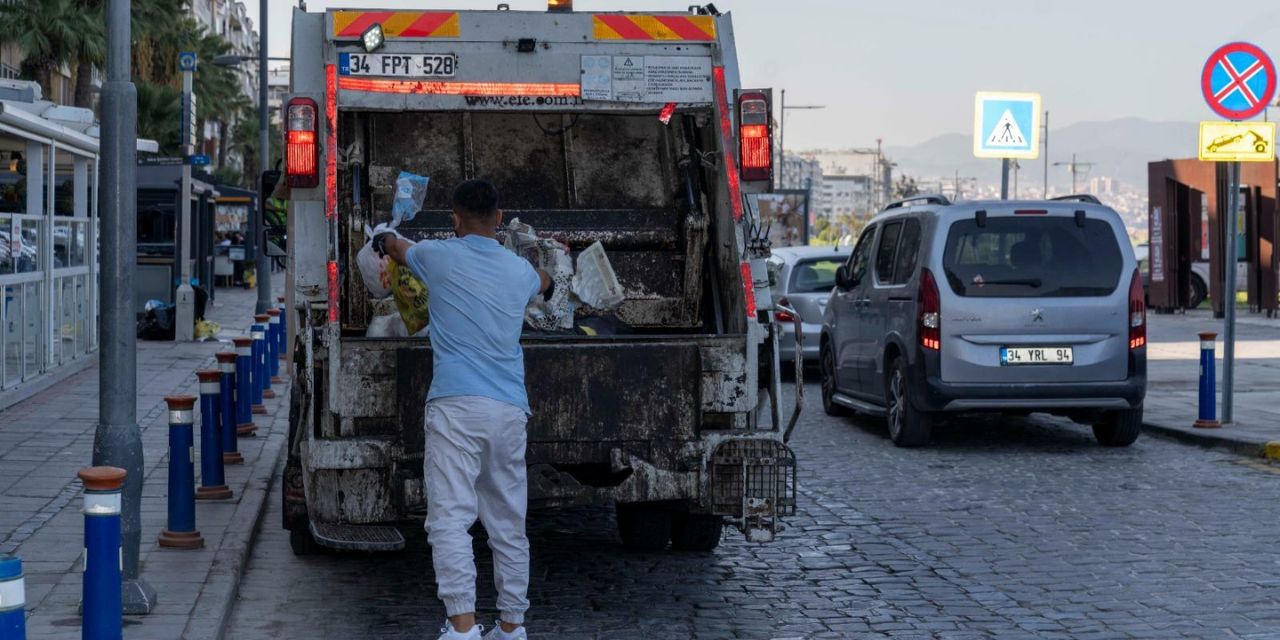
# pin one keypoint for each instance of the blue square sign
(1006, 125)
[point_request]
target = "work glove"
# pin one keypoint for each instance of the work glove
(381, 234)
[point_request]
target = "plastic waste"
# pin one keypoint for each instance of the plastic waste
(411, 297)
(387, 326)
(595, 282)
(411, 192)
(373, 269)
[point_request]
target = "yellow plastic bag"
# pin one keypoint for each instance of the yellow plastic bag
(206, 329)
(410, 295)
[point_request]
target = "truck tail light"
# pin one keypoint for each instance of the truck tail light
(1137, 313)
(783, 316)
(302, 147)
(930, 312)
(755, 137)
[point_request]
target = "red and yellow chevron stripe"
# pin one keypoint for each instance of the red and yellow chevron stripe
(616, 26)
(397, 24)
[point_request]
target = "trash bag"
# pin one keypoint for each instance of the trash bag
(411, 191)
(156, 321)
(411, 297)
(594, 281)
(553, 258)
(388, 326)
(373, 268)
(206, 329)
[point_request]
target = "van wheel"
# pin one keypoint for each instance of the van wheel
(908, 426)
(643, 527)
(1118, 428)
(827, 365)
(1198, 292)
(696, 532)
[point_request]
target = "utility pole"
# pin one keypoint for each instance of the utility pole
(1004, 178)
(1045, 137)
(782, 122)
(263, 264)
(1074, 167)
(1016, 167)
(185, 313)
(116, 440)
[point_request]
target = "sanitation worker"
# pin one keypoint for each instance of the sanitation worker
(477, 407)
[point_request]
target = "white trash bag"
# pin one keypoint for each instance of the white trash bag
(388, 326)
(595, 282)
(373, 269)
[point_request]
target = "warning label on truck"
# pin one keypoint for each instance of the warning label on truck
(655, 79)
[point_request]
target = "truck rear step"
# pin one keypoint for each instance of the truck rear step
(357, 537)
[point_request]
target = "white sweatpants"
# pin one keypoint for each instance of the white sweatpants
(474, 466)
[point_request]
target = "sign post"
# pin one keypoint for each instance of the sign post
(1006, 126)
(185, 300)
(1238, 82)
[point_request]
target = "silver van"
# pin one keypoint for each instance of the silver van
(989, 306)
(801, 278)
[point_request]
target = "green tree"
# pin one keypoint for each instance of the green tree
(160, 116)
(244, 139)
(52, 33)
(91, 55)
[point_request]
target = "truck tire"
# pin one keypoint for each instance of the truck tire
(302, 542)
(696, 532)
(908, 426)
(827, 366)
(1118, 428)
(1199, 291)
(644, 527)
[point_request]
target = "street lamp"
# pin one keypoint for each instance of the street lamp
(782, 130)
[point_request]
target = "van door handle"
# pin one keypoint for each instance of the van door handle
(862, 302)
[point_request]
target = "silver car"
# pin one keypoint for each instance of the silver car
(802, 278)
(996, 306)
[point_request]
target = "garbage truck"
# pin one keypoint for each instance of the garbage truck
(624, 129)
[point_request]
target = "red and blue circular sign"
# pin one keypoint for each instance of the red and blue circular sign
(1238, 81)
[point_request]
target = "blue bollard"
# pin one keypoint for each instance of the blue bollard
(261, 381)
(181, 532)
(244, 386)
(1208, 380)
(213, 482)
(13, 600)
(228, 411)
(101, 598)
(283, 337)
(273, 345)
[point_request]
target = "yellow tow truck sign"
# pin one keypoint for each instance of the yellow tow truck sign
(1238, 141)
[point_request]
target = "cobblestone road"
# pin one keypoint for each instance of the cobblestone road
(1005, 528)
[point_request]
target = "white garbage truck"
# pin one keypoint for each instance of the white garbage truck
(627, 129)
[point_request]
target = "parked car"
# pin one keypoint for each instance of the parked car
(802, 278)
(1199, 282)
(996, 306)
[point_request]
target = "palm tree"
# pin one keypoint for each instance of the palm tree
(92, 53)
(159, 116)
(52, 33)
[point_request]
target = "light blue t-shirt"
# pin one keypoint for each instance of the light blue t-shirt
(478, 291)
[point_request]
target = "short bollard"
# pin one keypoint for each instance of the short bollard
(213, 483)
(273, 345)
(181, 532)
(101, 598)
(282, 339)
(228, 411)
(1208, 381)
(244, 386)
(261, 381)
(13, 600)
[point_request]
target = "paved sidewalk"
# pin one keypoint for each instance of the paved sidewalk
(1173, 364)
(47, 438)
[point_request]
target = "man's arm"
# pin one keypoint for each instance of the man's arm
(545, 279)
(393, 246)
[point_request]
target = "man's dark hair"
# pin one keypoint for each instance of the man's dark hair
(475, 199)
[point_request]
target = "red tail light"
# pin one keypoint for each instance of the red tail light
(302, 148)
(755, 137)
(1137, 313)
(783, 316)
(748, 290)
(930, 312)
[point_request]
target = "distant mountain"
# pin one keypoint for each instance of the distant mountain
(1119, 149)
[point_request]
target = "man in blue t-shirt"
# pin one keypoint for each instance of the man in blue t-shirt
(477, 407)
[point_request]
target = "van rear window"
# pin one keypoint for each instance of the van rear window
(1032, 257)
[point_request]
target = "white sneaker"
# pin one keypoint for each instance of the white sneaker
(447, 632)
(499, 634)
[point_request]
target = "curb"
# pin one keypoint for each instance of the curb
(212, 610)
(1213, 439)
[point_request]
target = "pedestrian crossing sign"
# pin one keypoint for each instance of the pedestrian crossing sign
(1006, 125)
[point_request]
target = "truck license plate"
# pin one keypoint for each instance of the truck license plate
(416, 65)
(1035, 355)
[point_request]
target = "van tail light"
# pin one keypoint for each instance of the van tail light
(930, 312)
(1137, 313)
(755, 137)
(302, 148)
(780, 315)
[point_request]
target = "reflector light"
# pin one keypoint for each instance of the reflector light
(755, 137)
(544, 89)
(930, 312)
(726, 134)
(302, 154)
(333, 291)
(748, 290)
(331, 143)
(783, 316)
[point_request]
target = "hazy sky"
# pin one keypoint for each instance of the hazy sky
(906, 70)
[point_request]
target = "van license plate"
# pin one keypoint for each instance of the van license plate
(1010, 356)
(417, 65)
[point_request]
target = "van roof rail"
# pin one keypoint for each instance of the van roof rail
(928, 198)
(1078, 197)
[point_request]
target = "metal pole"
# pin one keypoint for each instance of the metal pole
(1046, 154)
(1229, 299)
(782, 148)
(116, 440)
(1004, 178)
(263, 267)
(185, 313)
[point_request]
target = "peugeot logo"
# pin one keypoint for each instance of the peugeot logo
(1037, 315)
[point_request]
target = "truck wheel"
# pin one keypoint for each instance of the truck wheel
(696, 532)
(643, 527)
(1119, 428)
(908, 426)
(827, 364)
(302, 542)
(1198, 292)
